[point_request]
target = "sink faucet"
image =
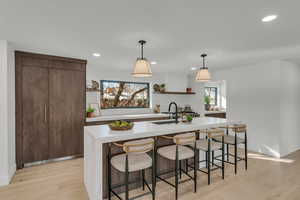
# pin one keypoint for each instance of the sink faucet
(176, 110)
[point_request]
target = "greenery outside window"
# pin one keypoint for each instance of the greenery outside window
(124, 94)
(212, 92)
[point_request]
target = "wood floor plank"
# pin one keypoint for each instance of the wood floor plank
(266, 179)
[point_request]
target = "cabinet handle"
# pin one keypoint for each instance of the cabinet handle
(45, 117)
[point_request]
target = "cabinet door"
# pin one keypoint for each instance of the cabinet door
(35, 114)
(66, 96)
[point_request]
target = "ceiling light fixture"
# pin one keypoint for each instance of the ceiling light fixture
(96, 54)
(153, 63)
(203, 74)
(269, 18)
(142, 66)
(193, 68)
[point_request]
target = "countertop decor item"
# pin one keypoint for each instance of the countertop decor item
(156, 109)
(121, 125)
(96, 108)
(90, 112)
(203, 74)
(92, 86)
(162, 87)
(156, 88)
(188, 90)
(142, 66)
(186, 118)
(207, 100)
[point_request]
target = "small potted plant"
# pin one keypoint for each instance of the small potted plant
(163, 87)
(90, 112)
(189, 118)
(207, 102)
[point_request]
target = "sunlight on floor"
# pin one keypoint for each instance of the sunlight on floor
(263, 157)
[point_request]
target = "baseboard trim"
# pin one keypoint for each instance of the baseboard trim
(5, 180)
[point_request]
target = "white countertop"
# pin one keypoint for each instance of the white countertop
(121, 117)
(103, 134)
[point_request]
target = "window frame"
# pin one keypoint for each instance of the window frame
(130, 82)
(216, 95)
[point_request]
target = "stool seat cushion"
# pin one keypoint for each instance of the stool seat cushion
(136, 162)
(202, 144)
(169, 152)
(229, 139)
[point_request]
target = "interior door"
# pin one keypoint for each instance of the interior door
(66, 98)
(35, 114)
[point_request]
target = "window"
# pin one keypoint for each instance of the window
(123, 94)
(212, 92)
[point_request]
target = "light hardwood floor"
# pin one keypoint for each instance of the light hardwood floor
(267, 178)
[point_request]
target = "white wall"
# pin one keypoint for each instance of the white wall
(7, 113)
(173, 81)
(266, 97)
(253, 97)
(290, 107)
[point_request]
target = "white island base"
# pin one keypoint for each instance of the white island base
(96, 136)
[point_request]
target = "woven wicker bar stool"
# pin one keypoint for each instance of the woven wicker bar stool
(234, 140)
(178, 152)
(134, 158)
(209, 147)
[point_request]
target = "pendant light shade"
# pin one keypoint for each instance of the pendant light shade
(142, 66)
(203, 74)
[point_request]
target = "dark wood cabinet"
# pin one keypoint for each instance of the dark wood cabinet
(50, 107)
(66, 112)
(35, 109)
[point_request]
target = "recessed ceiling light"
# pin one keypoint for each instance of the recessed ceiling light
(269, 18)
(153, 63)
(193, 68)
(96, 54)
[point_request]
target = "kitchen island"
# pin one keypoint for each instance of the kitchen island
(96, 137)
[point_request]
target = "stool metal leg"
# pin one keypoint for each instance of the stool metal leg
(208, 161)
(176, 174)
(223, 167)
(109, 172)
(213, 158)
(180, 173)
(126, 178)
(227, 146)
(235, 153)
(195, 167)
(143, 179)
(154, 170)
(246, 152)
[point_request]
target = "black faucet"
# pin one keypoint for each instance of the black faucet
(176, 111)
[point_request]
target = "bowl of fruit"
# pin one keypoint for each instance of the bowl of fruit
(121, 125)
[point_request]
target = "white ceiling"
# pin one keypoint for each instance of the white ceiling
(177, 31)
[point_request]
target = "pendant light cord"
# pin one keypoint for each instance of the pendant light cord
(203, 57)
(142, 50)
(142, 42)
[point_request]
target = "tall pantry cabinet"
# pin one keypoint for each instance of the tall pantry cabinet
(50, 107)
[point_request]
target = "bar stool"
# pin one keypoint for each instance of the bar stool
(235, 141)
(179, 152)
(209, 147)
(134, 158)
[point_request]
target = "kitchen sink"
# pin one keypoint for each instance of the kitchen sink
(165, 122)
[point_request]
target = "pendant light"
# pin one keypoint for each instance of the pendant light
(142, 66)
(203, 74)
